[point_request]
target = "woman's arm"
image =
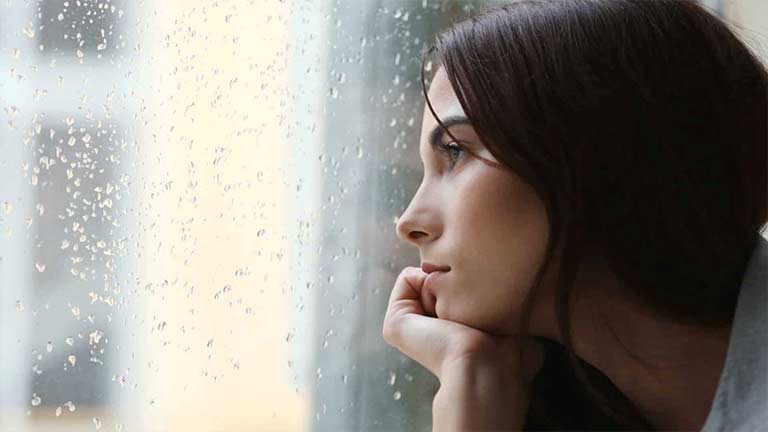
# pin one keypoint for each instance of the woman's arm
(475, 395)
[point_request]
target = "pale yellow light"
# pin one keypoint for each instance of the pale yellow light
(216, 347)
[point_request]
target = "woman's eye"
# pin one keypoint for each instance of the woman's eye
(452, 150)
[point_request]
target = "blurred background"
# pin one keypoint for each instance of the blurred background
(197, 209)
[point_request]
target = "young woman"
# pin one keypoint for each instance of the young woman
(589, 222)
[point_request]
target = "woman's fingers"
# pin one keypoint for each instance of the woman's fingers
(406, 326)
(406, 294)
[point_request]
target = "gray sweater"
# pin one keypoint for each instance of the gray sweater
(741, 400)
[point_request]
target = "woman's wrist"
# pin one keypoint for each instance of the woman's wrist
(478, 395)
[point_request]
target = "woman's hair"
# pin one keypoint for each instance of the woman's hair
(642, 125)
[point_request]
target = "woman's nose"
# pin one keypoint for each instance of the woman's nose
(417, 224)
(407, 231)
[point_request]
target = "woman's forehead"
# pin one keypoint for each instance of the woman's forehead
(442, 98)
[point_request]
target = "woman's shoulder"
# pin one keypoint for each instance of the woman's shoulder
(741, 400)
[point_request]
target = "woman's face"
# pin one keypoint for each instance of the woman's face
(485, 223)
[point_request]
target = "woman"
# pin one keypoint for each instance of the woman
(588, 222)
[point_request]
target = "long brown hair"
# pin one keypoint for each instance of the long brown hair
(642, 125)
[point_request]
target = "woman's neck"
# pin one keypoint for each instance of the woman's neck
(669, 371)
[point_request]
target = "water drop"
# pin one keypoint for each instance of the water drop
(49, 346)
(97, 423)
(58, 411)
(396, 395)
(95, 336)
(40, 267)
(72, 359)
(261, 232)
(392, 378)
(69, 341)
(70, 406)
(36, 401)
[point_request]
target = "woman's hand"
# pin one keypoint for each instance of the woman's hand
(482, 383)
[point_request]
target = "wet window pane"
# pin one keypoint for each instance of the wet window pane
(85, 25)
(197, 212)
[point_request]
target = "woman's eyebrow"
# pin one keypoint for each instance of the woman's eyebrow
(437, 132)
